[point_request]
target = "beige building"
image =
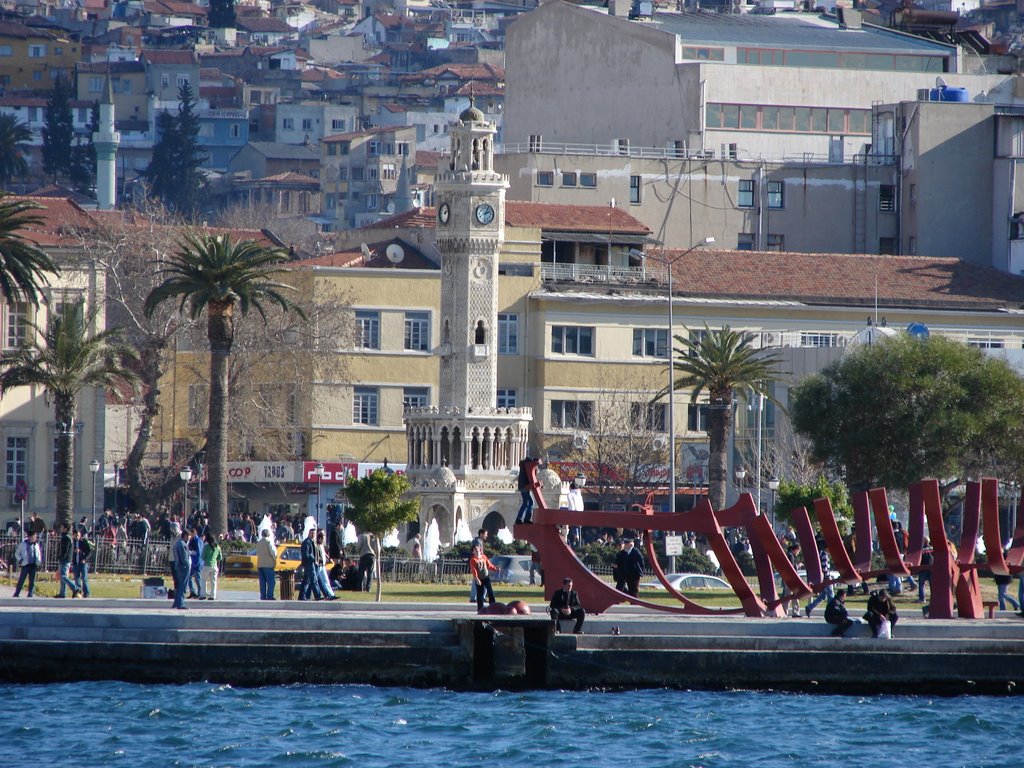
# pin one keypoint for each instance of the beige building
(28, 430)
(32, 58)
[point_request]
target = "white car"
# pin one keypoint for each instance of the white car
(512, 569)
(686, 582)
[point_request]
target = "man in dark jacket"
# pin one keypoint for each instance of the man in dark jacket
(308, 554)
(64, 554)
(836, 613)
(633, 566)
(565, 604)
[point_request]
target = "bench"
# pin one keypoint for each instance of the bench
(990, 606)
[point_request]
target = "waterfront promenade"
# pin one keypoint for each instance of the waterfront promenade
(248, 642)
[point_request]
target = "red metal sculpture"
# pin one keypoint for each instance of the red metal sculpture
(954, 582)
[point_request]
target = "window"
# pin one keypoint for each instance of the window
(912, 245)
(364, 405)
(634, 190)
(417, 331)
(372, 201)
(36, 51)
(198, 403)
(572, 340)
(745, 241)
(255, 97)
(985, 343)
(307, 124)
(181, 80)
(337, 125)
(83, 115)
(588, 180)
(568, 178)
(650, 342)
(887, 198)
(37, 75)
(545, 178)
(388, 171)
(287, 124)
(95, 85)
(206, 130)
(374, 147)
(16, 460)
(572, 414)
(33, 114)
(887, 246)
(5, 50)
(819, 340)
(697, 418)
(648, 416)
(368, 329)
(913, 194)
(329, 201)
(507, 398)
(165, 80)
(17, 324)
(415, 397)
(776, 243)
(776, 194)
(508, 334)
(357, 173)
(745, 198)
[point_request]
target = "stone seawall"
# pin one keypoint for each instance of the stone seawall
(248, 643)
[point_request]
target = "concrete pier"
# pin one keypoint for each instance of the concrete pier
(250, 643)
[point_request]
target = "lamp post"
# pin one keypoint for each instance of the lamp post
(741, 473)
(773, 485)
(671, 361)
(199, 477)
(94, 467)
(318, 470)
(185, 475)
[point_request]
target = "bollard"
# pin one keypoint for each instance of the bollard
(286, 580)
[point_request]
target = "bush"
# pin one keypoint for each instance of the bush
(595, 555)
(746, 563)
(692, 561)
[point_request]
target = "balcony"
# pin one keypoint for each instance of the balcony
(592, 273)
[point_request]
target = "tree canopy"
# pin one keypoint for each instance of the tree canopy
(378, 505)
(793, 495)
(14, 144)
(895, 412)
(23, 265)
(174, 171)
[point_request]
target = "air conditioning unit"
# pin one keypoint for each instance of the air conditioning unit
(660, 443)
(579, 442)
(622, 146)
(769, 339)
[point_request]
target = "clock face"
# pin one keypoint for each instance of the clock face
(444, 213)
(484, 213)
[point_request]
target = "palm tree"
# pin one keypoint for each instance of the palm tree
(721, 362)
(216, 275)
(23, 265)
(65, 361)
(14, 138)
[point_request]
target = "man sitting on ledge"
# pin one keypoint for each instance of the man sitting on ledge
(565, 604)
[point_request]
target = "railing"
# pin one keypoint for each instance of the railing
(131, 556)
(592, 273)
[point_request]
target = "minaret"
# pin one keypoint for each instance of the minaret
(106, 140)
(470, 231)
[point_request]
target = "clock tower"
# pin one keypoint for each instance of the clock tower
(463, 454)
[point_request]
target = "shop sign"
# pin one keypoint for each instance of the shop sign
(261, 472)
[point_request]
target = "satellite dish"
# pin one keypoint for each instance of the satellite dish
(367, 253)
(395, 253)
(918, 331)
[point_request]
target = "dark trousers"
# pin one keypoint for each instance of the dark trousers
(578, 614)
(485, 584)
(841, 628)
(525, 513)
(633, 585)
(29, 572)
(366, 571)
(309, 587)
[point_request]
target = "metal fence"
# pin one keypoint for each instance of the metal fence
(131, 556)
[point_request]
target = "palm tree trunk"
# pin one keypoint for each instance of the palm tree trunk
(719, 421)
(65, 412)
(220, 331)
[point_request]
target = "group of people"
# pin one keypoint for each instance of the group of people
(195, 566)
(74, 551)
(881, 614)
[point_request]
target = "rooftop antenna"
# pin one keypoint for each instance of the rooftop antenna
(876, 298)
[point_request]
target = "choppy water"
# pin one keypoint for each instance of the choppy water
(100, 724)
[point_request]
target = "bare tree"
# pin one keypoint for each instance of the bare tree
(292, 231)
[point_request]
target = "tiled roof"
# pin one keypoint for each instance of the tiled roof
(21, 31)
(362, 134)
(485, 72)
(174, 8)
(427, 159)
(412, 219)
(163, 56)
(60, 220)
(289, 177)
(473, 88)
(272, 24)
(413, 259)
(849, 279)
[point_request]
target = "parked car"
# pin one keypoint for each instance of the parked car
(289, 556)
(685, 582)
(512, 569)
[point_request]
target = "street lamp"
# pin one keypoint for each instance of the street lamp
(773, 485)
(199, 478)
(94, 467)
(318, 470)
(709, 240)
(185, 475)
(741, 473)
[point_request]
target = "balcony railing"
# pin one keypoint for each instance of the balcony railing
(592, 273)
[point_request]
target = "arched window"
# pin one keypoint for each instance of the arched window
(481, 333)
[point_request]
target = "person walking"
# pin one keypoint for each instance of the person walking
(479, 541)
(195, 575)
(827, 593)
(322, 579)
(28, 556)
(65, 549)
(212, 557)
(480, 568)
(266, 562)
(565, 604)
(80, 561)
(367, 559)
(181, 565)
(308, 562)
(633, 567)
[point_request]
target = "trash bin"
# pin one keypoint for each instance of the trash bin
(286, 580)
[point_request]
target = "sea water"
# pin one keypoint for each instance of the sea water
(112, 724)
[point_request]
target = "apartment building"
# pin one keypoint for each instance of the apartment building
(32, 58)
